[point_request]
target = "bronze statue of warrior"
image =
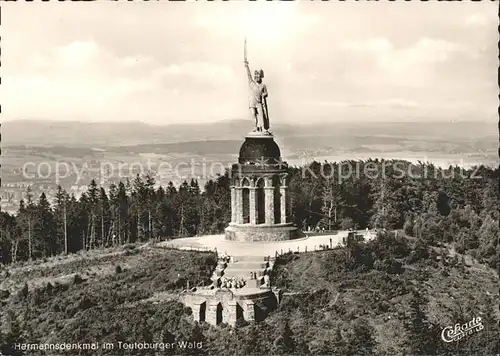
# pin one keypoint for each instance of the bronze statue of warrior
(257, 98)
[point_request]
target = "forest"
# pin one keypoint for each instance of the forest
(436, 264)
(446, 205)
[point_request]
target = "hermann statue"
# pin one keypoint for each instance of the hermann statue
(257, 98)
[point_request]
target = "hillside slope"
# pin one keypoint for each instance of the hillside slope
(389, 296)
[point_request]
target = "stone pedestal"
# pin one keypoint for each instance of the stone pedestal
(229, 313)
(260, 174)
(249, 310)
(211, 312)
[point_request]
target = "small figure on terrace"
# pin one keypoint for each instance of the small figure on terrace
(266, 281)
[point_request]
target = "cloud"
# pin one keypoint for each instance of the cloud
(157, 62)
(266, 23)
(375, 45)
(386, 103)
(428, 50)
(134, 61)
(82, 78)
(204, 71)
(425, 50)
(476, 20)
(410, 65)
(77, 53)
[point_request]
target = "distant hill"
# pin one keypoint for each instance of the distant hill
(105, 134)
(192, 147)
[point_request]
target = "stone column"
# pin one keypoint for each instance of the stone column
(239, 205)
(211, 312)
(229, 312)
(269, 201)
(253, 205)
(249, 311)
(233, 204)
(283, 204)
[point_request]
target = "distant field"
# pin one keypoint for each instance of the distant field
(105, 134)
(193, 156)
(182, 152)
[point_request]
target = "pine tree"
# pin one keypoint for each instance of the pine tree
(488, 237)
(139, 206)
(123, 202)
(104, 217)
(114, 213)
(150, 200)
(331, 198)
(196, 337)
(250, 343)
(61, 219)
(422, 338)
(92, 208)
(25, 219)
(44, 229)
(83, 211)
(285, 343)
(360, 340)
(9, 238)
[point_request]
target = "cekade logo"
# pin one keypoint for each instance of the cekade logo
(450, 333)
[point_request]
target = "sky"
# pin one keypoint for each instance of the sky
(168, 62)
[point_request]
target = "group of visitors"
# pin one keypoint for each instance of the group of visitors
(232, 282)
(224, 257)
(315, 229)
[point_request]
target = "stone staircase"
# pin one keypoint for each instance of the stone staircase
(241, 266)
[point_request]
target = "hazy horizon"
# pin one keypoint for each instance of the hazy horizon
(323, 62)
(229, 120)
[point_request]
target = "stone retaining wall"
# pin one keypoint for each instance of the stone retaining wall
(262, 233)
(224, 306)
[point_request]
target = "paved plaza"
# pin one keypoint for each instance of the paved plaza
(236, 248)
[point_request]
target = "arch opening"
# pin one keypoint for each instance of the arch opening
(239, 312)
(218, 318)
(277, 199)
(261, 202)
(203, 311)
(246, 205)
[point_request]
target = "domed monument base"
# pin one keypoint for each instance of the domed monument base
(259, 193)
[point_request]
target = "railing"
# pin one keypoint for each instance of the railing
(321, 232)
(315, 249)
